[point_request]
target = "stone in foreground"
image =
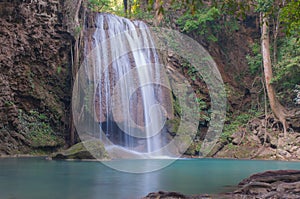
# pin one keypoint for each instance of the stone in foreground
(270, 184)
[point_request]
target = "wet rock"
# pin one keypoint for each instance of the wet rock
(90, 149)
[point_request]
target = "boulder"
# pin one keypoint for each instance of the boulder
(90, 149)
(274, 176)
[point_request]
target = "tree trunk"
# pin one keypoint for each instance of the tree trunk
(275, 35)
(129, 8)
(158, 12)
(125, 3)
(278, 110)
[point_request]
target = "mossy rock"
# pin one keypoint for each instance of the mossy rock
(46, 140)
(172, 125)
(90, 149)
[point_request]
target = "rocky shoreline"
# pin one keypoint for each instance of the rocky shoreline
(270, 184)
(22, 156)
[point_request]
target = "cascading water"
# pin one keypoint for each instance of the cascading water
(125, 78)
(122, 95)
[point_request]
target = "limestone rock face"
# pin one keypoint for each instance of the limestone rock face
(34, 73)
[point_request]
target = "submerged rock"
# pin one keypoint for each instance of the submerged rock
(90, 149)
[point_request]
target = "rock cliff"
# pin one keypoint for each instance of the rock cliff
(35, 79)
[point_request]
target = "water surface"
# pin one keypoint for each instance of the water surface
(36, 178)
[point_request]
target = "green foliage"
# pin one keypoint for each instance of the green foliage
(264, 6)
(231, 146)
(9, 103)
(290, 16)
(286, 72)
(207, 20)
(194, 148)
(137, 13)
(177, 107)
(111, 6)
(191, 70)
(254, 59)
(201, 21)
(99, 5)
(237, 122)
(59, 68)
(235, 8)
(203, 110)
(38, 129)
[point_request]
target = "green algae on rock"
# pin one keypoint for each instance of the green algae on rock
(90, 149)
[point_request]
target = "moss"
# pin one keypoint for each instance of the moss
(90, 149)
(176, 107)
(172, 125)
(230, 146)
(193, 149)
(38, 130)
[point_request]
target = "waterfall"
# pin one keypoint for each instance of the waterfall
(124, 79)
